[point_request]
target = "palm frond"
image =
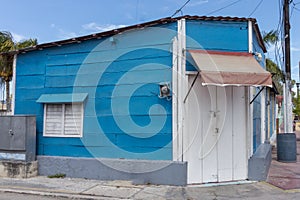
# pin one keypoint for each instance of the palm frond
(270, 37)
(6, 60)
(26, 43)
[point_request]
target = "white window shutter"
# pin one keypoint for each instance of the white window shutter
(63, 120)
(73, 119)
(53, 119)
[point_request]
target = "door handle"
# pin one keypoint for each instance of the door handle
(11, 132)
(214, 112)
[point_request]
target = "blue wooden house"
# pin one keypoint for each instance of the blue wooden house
(148, 101)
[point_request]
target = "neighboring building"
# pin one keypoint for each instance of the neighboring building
(134, 95)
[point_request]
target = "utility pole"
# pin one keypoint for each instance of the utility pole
(287, 62)
(287, 27)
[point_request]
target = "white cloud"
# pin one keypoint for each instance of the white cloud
(196, 3)
(17, 37)
(100, 28)
(63, 34)
(295, 49)
(85, 29)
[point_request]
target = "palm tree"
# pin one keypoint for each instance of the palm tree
(271, 38)
(7, 44)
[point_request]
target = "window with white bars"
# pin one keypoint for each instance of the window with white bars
(63, 120)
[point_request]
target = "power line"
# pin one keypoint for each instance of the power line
(278, 51)
(224, 7)
(256, 8)
(180, 9)
(295, 3)
(296, 8)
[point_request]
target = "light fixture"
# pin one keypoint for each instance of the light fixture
(164, 90)
(259, 56)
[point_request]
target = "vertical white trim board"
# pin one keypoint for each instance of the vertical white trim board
(250, 37)
(14, 85)
(175, 142)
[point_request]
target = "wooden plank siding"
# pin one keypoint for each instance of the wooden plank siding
(214, 35)
(123, 115)
(139, 61)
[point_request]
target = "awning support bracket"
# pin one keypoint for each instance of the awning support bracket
(257, 94)
(190, 89)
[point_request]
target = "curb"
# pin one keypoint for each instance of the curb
(67, 195)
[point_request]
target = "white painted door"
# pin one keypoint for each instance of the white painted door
(215, 143)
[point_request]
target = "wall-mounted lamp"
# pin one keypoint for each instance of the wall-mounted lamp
(258, 55)
(164, 90)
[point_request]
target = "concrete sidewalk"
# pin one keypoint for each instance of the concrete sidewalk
(94, 189)
(285, 175)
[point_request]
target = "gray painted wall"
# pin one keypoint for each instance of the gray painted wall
(259, 163)
(138, 171)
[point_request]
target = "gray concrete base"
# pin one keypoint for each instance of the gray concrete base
(259, 163)
(138, 171)
(18, 169)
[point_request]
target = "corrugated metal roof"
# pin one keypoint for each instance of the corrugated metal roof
(143, 25)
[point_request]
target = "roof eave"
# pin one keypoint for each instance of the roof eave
(139, 26)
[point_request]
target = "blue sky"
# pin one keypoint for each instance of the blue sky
(51, 20)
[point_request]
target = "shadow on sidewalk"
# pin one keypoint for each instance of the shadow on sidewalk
(285, 175)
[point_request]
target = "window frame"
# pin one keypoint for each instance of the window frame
(63, 135)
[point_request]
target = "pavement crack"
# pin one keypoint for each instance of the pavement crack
(82, 192)
(141, 189)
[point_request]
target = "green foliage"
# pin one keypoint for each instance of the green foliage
(26, 43)
(270, 37)
(59, 175)
(7, 44)
(277, 74)
(296, 103)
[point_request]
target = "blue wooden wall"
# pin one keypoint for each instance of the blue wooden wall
(123, 115)
(214, 35)
(257, 118)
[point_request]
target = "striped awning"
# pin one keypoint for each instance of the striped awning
(230, 68)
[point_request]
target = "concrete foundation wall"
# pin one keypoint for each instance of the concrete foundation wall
(138, 171)
(260, 162)
(18, 169)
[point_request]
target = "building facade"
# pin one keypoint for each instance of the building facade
(141, 96)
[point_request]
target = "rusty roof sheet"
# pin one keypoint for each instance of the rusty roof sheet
(143, 25)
